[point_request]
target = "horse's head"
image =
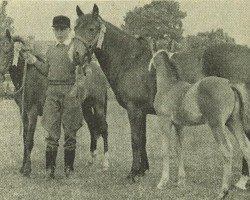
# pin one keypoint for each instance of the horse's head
(6, 52)
(89, 35)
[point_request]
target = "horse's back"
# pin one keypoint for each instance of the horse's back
(216, 97)
(227, 61)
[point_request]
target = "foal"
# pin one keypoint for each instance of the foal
(212, 100)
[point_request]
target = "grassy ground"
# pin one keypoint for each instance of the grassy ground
(203, 164)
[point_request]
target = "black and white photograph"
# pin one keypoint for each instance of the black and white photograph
(126, 100)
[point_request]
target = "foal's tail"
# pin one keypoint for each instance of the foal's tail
(242, 95)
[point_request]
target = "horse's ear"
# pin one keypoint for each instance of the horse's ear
(79, 11)
(95, 12)
(7, 34)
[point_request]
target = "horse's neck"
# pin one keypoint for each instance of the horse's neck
(166, 78)
(116, 46)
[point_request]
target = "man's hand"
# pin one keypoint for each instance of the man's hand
(31, 59)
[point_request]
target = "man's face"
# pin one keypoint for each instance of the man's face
(61, 34)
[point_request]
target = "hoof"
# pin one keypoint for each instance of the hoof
(131, 178)
(161, 185)
(26, 172)
(182, 183)
(21, 170)
(223, 195)
(90, 163)
(69, 173)
(50, 174)
(49, 177)
(105, 165)
(105, 169)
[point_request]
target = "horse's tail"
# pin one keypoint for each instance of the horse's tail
(242, 94)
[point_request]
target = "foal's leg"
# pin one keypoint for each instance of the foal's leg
(102, 127)
(90, 120)
(165, 127)
(222, 139)
(180, 155)
(235, 126)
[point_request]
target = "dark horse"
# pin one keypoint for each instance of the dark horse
(94, 105)
(232, 62)
(124, 60)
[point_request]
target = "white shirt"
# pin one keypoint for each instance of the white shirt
(66, 42)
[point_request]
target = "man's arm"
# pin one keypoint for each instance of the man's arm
(41, 66)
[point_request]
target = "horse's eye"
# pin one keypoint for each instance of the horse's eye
(91, 29)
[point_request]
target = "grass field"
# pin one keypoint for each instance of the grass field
(203, 164)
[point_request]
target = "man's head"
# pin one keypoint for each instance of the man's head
(61, 27)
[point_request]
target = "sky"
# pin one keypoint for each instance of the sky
(34, 17)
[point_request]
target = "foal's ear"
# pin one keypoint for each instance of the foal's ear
(95, 12)
(7, 34)
(79, 11)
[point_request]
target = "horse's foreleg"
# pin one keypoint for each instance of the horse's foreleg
(32, 120)
(165, 127)
(144, 157)
(180, 155)
(223, 141)
(136, 118)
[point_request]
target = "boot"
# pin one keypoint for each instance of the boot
(69, 158)
(50, 164)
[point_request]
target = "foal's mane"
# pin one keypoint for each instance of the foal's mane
(172, 66)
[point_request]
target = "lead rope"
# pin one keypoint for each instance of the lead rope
(23, 96)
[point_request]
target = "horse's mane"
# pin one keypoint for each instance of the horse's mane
(18, 39)
(139, 40)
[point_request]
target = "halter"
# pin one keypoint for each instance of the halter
(96, 43)
(151, 63)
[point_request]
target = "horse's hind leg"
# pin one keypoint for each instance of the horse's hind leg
(223, 141)
(180, 155)
(25, 122)
(235, 126)
(165, 127)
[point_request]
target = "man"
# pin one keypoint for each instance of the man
(60, 108)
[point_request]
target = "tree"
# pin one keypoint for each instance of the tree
(5, 21)
(204, 39)
(158, 20)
